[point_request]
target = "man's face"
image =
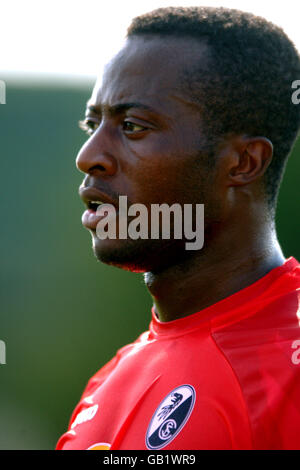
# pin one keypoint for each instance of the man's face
(146, 144)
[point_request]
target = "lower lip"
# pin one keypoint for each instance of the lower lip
(90, 218)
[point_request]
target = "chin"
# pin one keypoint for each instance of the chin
(138, 256)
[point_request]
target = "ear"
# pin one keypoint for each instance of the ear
(253, 155)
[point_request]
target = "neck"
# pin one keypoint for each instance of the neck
(222, 268)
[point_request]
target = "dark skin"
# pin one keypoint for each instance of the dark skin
(152, 153)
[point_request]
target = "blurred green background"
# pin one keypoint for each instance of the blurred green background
(63, 314)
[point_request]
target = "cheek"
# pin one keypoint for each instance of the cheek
(170, 182)
(161, 169)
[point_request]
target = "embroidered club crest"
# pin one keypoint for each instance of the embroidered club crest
(170, 416)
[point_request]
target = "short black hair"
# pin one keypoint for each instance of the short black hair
(246, 86)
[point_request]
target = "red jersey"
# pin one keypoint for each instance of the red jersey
(227, 377)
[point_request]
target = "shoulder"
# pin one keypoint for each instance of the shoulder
(102, 374)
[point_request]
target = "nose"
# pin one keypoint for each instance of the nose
(95, 157)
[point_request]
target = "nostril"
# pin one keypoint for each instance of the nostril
(98, 167)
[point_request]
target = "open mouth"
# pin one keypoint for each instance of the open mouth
(91, 216)
(93, 205)
(93, 198)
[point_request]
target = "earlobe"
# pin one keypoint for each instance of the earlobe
(253, 156)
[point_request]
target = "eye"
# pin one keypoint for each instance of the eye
(130, 127)
(88, 126)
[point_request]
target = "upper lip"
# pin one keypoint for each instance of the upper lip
(90, 193)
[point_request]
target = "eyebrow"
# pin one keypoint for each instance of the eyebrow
(119, 108)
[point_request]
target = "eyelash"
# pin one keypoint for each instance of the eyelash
(88, 126)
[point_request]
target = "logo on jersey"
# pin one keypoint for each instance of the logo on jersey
(170, 416)
(99, 446)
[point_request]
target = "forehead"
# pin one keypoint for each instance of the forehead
(148, 68)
